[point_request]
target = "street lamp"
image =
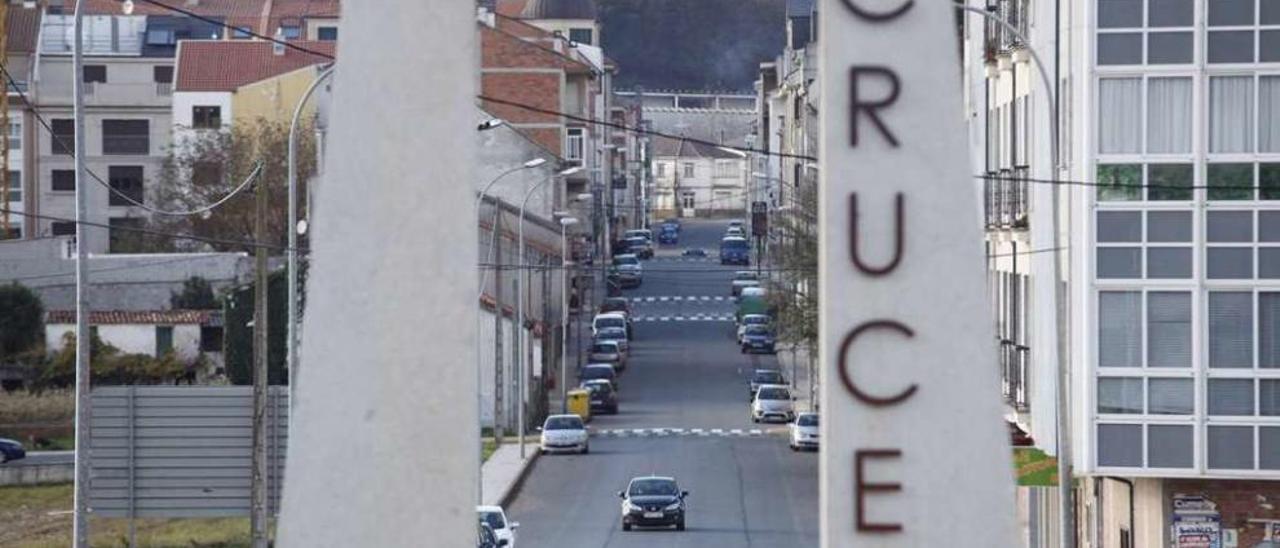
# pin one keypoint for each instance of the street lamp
(520, 304)
(565, 223)
(497, 333)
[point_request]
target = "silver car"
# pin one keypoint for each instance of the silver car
(609, 351)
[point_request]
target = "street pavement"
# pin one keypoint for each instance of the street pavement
(35, 458)
(684, 413)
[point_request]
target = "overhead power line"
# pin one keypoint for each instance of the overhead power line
(152, 232)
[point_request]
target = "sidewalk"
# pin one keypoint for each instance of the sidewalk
(799, 376)
(505, 471)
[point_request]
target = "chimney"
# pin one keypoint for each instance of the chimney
(277, 47)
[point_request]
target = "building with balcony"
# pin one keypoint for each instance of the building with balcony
(1169, 115)
(22, 35)
(694, 179)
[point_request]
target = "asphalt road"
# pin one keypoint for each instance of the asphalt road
(34, 458)
(684, 413)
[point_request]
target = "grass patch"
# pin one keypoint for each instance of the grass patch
(487, 448)
(39, 517)
(43, 422)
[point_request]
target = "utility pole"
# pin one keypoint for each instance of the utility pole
(258, 495)
(497, 323)
(546, 339)
(4, 124)
(80, 525)
(517, 342)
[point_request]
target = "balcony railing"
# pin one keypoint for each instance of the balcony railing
(1014, 360)
(998, 40)
(1005, 195)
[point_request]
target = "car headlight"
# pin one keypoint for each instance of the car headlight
(673, 506)
(634, 508)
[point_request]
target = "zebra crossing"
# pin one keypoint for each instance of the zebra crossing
(695, 432)
(682, 299)
(685, 318)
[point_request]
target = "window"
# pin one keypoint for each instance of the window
(1231, 114)
(1119, 115)
(63, 138)
(1230, 447)
(126, 180)
(15, 135)
(1269, 112)
(124, 235)
(662, 169)
(1230, 397)
(1169, 115)
(1169, 329)
(1169, 446)
(162, 74)
(1269, 397)
(688, 169)
(1119, 329)
(291, 32)
(241, 33)
(1119, 445)
(688, 200)
(64, 180)
(1167, 32)
(206, 117)
(327, 34)
(1120, 395)
(1170, 396)
(126, 137)
(63, 228)
(164, 339)
(573, 145)
(1229, 227)
(724, 168)
(15, 187)
(161, 37)
(1269, 330)
(581, 36)
(1161, 259)
(211, 338)
(1229, 181)
(1230, 329)
(1169, 181)
(95, 73)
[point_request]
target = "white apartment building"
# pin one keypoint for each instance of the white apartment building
(694, 179)
(1170, 114)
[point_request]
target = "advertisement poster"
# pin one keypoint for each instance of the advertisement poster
(1196, 523)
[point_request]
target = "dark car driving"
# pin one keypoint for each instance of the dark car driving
(11, 450)
(653, 501)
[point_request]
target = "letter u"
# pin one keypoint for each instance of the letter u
(898, 236)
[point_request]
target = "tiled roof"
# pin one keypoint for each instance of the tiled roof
(241, 13)
(510, 8)
(23, 26)
(665, 146)
(224, 65)
(143, 317)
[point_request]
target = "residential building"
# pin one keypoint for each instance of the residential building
(694, 179)
(1169, 113)
(22, 35)
(193, 336)
(720, 117)
(574, 20)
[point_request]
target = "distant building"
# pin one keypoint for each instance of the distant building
(189, 334)
(575, 20)
(693, 179)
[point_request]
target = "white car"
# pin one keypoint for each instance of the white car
(743, 279)
(564, 433)
(734, 232)
(804, 432)
(503, 529)
(751, 319)
(608, 319)
(773, 402)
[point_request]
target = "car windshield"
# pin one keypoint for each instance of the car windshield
(494, 519)
(652, 487)
(611, 322)
(613, 334)
(602, 348)
(638, 240)
(807, 420)
(755, 320)
(613, 305)
(768, 377)
(733, 243)
(599, 387)
(774, 394)
(563, 423)
(621, 261)
(757, 330)
(745, 276)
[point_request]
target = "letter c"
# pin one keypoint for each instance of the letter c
(878, 16)
(847, 379)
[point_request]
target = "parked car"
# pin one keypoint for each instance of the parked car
(603, 397)
(743, 279)
(485, 536)
(11, 450)
(758, 338)
(804, 432)
(736, 224)
(565, 433)
(640, 247)
(608, 319)
(735, 250)
(653, 501)
(599, 371)
(672, 221)
(762, 377)
(504, 530)
(735, 232)
(639, 233)
(773, 403)
(609, 352)
(694, 252)
(616, 334)
(616, 304)
(627, 270)
(750, 319)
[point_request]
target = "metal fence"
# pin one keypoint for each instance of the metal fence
(175, 452)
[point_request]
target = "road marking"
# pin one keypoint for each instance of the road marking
(736, 432)
(756, 432)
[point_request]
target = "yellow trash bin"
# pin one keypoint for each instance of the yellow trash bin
(580, 403)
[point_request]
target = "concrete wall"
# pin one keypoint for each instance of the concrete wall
(274, 98)
(21, 473)
(133, 338)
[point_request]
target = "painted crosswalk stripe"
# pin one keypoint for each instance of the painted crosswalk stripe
(736, 432)
(756, 432)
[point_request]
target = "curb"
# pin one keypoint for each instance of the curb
(513, 488)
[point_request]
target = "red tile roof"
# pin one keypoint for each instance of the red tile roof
(23, 27)
(122, 317)
(224, 65)
(510, 8)
(241, 13)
